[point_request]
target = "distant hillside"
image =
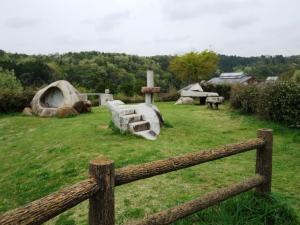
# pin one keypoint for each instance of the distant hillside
(95, 71)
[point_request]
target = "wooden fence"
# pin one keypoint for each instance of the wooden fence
(99, 188)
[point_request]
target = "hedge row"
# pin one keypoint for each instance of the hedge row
(15, 101)
(279, 101)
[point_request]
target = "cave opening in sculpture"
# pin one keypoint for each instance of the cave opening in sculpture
(52, 98)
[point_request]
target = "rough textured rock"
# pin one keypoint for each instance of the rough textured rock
(104, 98)
(184, 100)
(82, 107)
(215, 99)
(198, 94)
(195, 90)
(63, 112)
(59, 94)
(27, 111)
(140, 119)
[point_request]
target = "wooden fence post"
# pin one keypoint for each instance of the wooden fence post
(102, 204)
(264, 161)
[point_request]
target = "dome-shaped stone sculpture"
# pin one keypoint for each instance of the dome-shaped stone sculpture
(58, 95)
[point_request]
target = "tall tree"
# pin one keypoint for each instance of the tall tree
(194, 66)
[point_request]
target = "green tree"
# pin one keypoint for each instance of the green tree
(8, 81)
(296, 76)
(194, 66)
(33, 72)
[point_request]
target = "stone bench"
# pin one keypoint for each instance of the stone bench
(214, 102)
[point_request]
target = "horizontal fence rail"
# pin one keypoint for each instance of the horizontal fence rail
(99, 188)
(131, 173)
(171, 215)
(43, 209)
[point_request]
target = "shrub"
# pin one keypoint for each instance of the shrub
(171, 95)
(13, 97)
(244, 98)
(279, 101)
(15, 101)
(128, 99)
(222, 89)
(8, 81)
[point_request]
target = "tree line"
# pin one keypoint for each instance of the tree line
(95, 71)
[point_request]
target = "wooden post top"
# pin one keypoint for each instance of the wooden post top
(265, 130)
(101, 160)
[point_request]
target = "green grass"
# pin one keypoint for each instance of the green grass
(41, 155)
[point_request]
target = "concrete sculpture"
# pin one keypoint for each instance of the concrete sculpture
(56, 97)
(139, 119)
(193, 91)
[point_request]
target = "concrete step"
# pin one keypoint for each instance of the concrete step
(127, 111)
(130, 118)
(149, 134)
(139, 126)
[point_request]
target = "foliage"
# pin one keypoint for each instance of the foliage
(296, 76)
(194, 66)
(244, 98)
(56, 152)
(260, 67)
(278, 101)
(93, 71)
(171, 95)
(11, 92)
(126, 74)
(8, 81)
(222, 89)
(33, 72)
(11, 101)
(130, 99)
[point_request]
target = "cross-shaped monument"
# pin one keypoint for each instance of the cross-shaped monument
(150, 89)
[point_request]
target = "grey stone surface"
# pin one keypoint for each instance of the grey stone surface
(149, 99)
(193, 91)
(58, 94)
(142, 119)
(184, 100)
(215, 99)
(198, 94)
(27, 111)
(104, 98)
(139, 119)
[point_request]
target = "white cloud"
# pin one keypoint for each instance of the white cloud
(19, 22)
(149, 27)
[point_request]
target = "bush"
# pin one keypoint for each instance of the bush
(172, 95)
(128, 99)
(13, 97)
(222, 89)
(15, 101)
(244, 98)
(279, 101)
(8, 81)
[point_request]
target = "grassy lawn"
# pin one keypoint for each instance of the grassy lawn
(41, 155)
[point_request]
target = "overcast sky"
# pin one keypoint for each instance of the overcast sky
(151, 27)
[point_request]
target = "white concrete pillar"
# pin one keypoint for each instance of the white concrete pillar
(150, 83)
